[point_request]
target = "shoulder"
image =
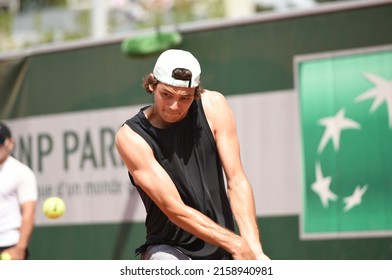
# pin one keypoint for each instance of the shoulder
(127, 135)
(133, 149)
(18, 165)
(127, 132)
(217, 110)
(129, 142)
(211, 98)
(214, 103)
(24, 174)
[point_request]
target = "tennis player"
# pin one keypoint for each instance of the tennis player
(175, 150)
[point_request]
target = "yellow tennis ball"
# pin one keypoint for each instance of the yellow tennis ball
(5, 256)
(54, 207)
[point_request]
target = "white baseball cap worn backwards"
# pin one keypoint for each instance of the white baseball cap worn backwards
(173, 59)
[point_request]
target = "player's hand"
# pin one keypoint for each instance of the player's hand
(262, 256)
(17, 253)
(243, 252)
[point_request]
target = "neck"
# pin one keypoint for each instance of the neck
(154, 118)
(2, 160)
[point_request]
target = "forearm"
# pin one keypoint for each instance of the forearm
(204, 228)
(27, 226)
(26, 231)
(244, 210)
(18, 252)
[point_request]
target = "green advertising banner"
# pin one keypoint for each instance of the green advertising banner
(346, 117)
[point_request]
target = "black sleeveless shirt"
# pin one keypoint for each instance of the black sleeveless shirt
(188, 153)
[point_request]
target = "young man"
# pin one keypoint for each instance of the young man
(18, 196)
(174, 150)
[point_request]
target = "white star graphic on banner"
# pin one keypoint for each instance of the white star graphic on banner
(321, 187)
(333, 128)
(381, 93)
(355, 198)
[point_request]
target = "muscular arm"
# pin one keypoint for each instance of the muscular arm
(239, 189)
(148, 174)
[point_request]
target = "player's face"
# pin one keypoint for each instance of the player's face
(172, 103)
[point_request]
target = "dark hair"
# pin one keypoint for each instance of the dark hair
(181, 74)
(5, 131)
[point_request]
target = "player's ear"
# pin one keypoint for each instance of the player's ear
(151, 78)
(10, 144)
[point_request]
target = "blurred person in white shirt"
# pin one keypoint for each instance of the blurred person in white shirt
(18, 198)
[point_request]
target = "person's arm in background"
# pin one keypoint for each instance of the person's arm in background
(27, 196)
(18, 252)
(240, 192)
